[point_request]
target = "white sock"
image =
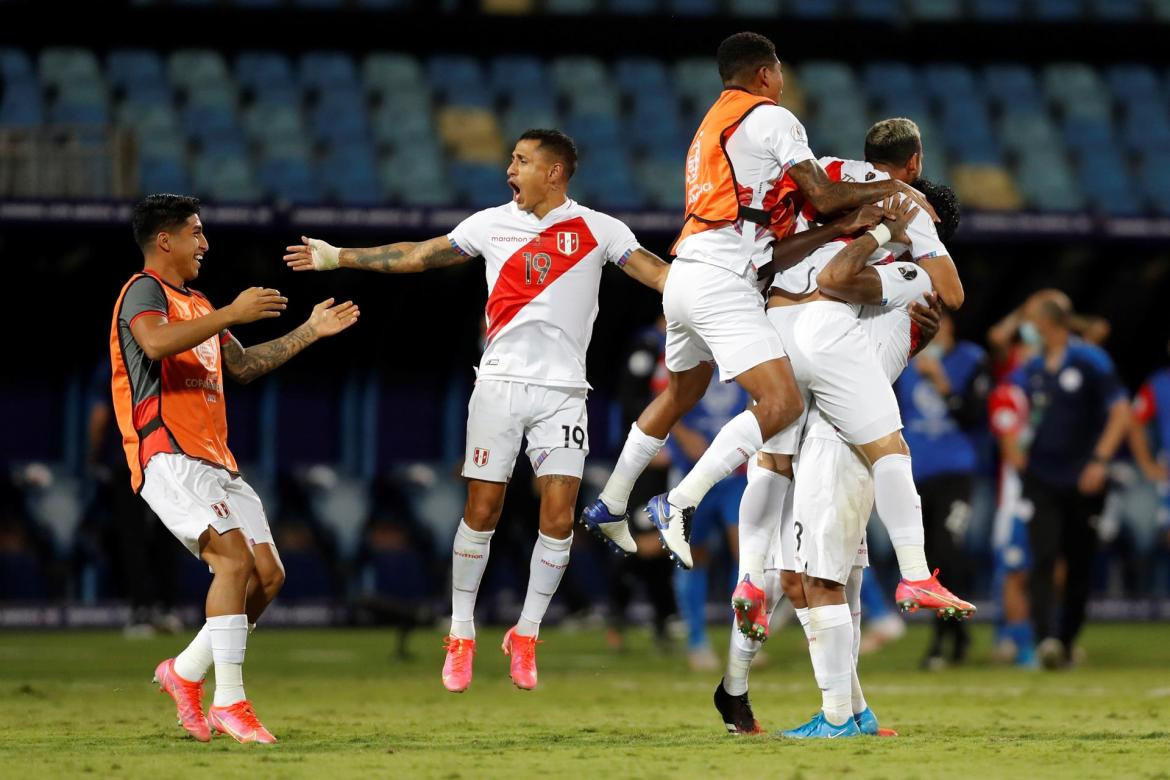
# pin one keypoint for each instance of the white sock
(192, 664)
(469, 557)
(739, 661)
(853, 598)
(900, 510)
(229, 639)
(550, 558)
(737, 441)
(759, 517)
(831, 651)
(636, 455)
(772, 591)
(802, 616)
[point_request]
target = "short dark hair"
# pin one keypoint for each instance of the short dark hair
(743, 51)
(160, 212)
(942, 198)
(892, 141)
(1054, 312)
(558, 143)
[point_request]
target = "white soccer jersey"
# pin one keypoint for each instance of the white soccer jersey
(924, 241)
(542, 276)
(761, 150)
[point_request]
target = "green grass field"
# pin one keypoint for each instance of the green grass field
(76, 704)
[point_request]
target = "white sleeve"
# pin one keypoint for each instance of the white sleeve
(924, 240)
(784, 136)
(617, 242)
(469, 235)
(902, 283)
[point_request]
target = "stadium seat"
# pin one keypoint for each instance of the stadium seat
(1133, 82)
(692, 7)
(934, 10)
(573, 75)
(162, 174)
(603, 101)
(224, 179)
(1027, 129)
(888, 79)
(335, 127)
(520, 118)
(1088, 134)
(814, 9)
(15, 65)
(697, 80)
(1068, 84)
(88, 115)
(984, 187)
(1146, 126)
(394, 128)
(1058, 10)
(824, 79)
(1104, 177)
(754, 8)
(145, 119)
(997, 10)
(148, 93)
(1012, 86)
(385, 73)
(20, 106)
(126, 67)
(1154, 179)
(416, 177)
(1046, 182)
(947, 81)
(516, 74)
(571, 6)
(662, 180)
(639, 76)
(594, 131)
(256, 70)
(473, 135)
(877, 10)
(188, 67)
(58, 66)
(352, 178)
(507, 6)
(289, 180)
(1118, 10)
(213, 95)
(327, 70)
(457, 74)
(479, 186)
(1160, 10)
(266, 123)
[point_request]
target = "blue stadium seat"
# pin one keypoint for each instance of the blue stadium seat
(148, 119)
(274, 123)
(571, 6)
(1160, 10)
(1110, 189)
(1118, 10)
(211, 125)
(754, 8)
(384, 72)
(447, 73)
(945, 81)
(319, 4)
(1068, 83)
(632, 7)
(520, 118)
(327, 70)
(935, 10)
(416, 176)
(339, 127)
(1091, 135)
(1146, 126)
(533, 100)
(287, 93)
(126, 67)
(148, 93)
(878, 10)
(814, 9)
(15, 65)
(517, 74)
(62, 65)
(573, 75)
(466, 95)
(89, 115)
(966, 126)
(256, 69)
(1131, 82)
(1059, 10)
(890, 78)
(352, 178)
(196, 66)
(821, 77)
(1046, 181)
(600, 100)
(697, 79)
(1012, 86)
(397, 128)
(638, 76)
(224, 179)
(997, 10)
(594, 130)
(479, 186)
(662, 181)
(154, 146)
(213, 95)
(290, 180)
(1021, 130)
(912, 105)
(692, 7)
(20, 106)
(1154, 178)
(162, 174)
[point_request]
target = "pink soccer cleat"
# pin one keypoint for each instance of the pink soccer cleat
(239, 722)
(913, 595)
(188, 698)
(751, 610)
(523, 652)
(457, 667)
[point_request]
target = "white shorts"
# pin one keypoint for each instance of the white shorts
(553, 420)
(189, 496)
(832, 502)
(835, 364)
(713, 314)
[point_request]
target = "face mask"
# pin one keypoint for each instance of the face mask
(1029, 335)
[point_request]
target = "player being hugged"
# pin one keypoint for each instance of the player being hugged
(543, 255)
(170, 349)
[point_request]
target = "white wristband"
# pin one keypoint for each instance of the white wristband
(881, 234)
(325, 256)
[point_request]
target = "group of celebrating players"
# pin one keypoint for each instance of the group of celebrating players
(809, 282)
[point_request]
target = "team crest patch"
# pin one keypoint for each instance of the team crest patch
(206, 354)
(221, 510)
(567, 242)
(908, 273)
(479, 456)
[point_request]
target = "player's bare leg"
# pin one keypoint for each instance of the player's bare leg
(606, 518)
(469, 556)
(900, 510)
(778, 403)
(550, 558)
(266, 581)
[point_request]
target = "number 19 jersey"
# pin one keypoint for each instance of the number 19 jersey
(542, 276)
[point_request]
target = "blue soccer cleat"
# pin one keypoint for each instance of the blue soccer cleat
(819, 728)
(611, 529)
(674, 528)
(868, 723)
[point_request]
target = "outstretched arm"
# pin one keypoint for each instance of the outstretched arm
(404, 257)
(245, 364)
(847, 276)
(160, 339)
(789, 251)
(829, 197)
(646, 267)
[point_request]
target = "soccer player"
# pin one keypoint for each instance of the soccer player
(748, 160)
(170, 349)
(543, 257)
(832, 361)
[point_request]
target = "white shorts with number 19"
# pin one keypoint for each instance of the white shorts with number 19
(553, 421)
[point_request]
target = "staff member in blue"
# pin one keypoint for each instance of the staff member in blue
(943, 401)
(1080, 415)
(1151, 410)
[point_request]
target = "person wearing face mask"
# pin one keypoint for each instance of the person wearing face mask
(1079, 417)
(943, 401)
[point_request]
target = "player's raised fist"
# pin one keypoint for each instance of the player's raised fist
(898, 214)
(328, 320)
(313, 255)
(257, 303)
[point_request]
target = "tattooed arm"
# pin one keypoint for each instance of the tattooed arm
(405, 257)
(245, 364)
